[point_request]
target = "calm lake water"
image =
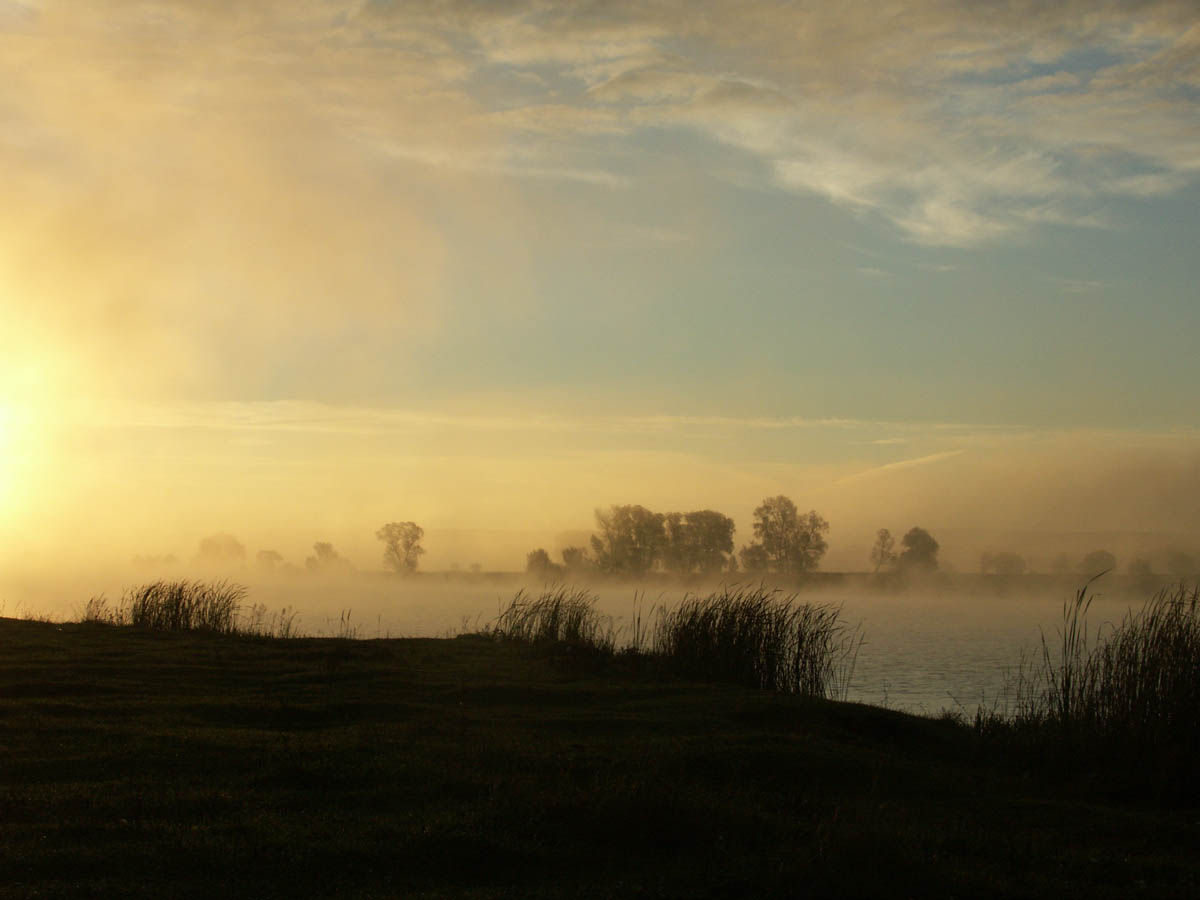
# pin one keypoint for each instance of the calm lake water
(950, 647)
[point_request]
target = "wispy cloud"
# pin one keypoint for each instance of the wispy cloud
(306, 416)
(901, 465)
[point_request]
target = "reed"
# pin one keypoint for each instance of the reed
(184, 606)
(1123, 697)
(558, 614)
(759, 638)
(1133, 682)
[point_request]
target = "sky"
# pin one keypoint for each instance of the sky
(291, 270)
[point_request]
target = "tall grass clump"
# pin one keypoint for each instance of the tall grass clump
(759, 638)
(1135, 681)
(1125, 696)
(185, 605)
(98, 611)
(558, 614)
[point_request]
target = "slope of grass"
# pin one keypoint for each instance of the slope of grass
(145, 763)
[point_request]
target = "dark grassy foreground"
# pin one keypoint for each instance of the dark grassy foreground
(141, 763)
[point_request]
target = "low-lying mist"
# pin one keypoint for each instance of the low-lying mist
(940, 641)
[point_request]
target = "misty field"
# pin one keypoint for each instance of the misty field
(144, 762)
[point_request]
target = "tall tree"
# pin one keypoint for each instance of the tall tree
(697, 541)
(883, 553)
(326, 559)
(920, 551)
(630, 539)
(790, 542)
(402, 545)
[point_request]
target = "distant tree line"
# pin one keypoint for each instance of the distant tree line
(918, 552)
(632, 540)
(401, 540)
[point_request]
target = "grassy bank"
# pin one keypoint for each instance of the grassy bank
(138, 762)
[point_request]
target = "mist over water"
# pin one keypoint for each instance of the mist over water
(952, 643)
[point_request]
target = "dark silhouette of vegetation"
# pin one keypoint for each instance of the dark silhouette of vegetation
(564, 615)
(785, 541)
(538, 563)
(268, 560)
(173, 606)
(148, 765)
(883, 553)
(576, 561)
(754, 558)
(630, 540)
(221, 550)
(920, 553)
(751, 636)
(700, 541)
(759, 638)
(1128, 694)
(402, 546)
(1098, 561)
(326, 560)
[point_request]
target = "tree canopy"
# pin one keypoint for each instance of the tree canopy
(920, 553)
(883, 553)
(402, 545)
(700, 541)
(630, 539)
(786, 540)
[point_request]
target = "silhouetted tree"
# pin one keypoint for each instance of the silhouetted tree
(576, 560)
(538, 562)
(630, 541)
(325, 559)
(697, 541)
(1004, 562)
(1181, 564)
(754, 558)
(1098, 561)
(401, 545)
(220, 549)
(920, 551)
(792, 543)
(268, 560)
(883, 554)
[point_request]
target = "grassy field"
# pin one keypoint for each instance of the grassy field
(141, 763)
